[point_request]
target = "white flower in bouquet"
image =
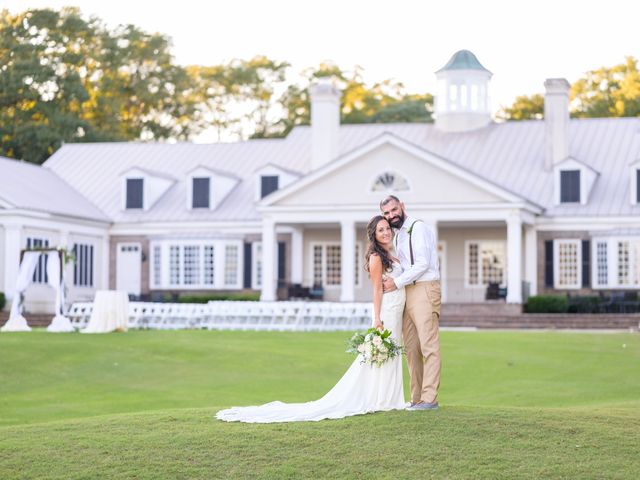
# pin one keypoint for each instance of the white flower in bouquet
(374, 347)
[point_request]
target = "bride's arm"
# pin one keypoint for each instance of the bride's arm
(375, 271)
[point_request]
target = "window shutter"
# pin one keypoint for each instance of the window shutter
(247, 265)
(548, 263)
(586, 263)
(638, 185)
(281, 262)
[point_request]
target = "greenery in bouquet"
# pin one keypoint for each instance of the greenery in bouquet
(375, 347)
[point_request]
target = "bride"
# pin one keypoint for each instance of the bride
(363, 388)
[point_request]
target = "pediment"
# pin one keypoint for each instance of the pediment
(424, 177)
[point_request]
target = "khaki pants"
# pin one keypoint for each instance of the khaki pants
(421, 338)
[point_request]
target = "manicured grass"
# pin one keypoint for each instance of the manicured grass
(141, 405)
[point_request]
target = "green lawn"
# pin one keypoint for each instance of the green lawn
(141, 405)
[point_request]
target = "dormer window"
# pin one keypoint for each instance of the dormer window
(201, 192)
(135, 193)
(268, 184)
(388, 181)
(570, 186)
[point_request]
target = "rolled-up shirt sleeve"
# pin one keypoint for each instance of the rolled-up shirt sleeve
(424, 245)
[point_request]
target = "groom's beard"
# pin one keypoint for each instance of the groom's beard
(396, 222)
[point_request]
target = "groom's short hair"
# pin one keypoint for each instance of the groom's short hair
(387, 199)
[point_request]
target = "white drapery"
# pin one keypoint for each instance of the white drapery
(16, 322)
(60, 323)
(110, 312)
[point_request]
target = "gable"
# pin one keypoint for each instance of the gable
(352, 183)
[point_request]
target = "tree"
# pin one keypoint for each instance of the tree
(605, 92)
(67, 79)
(384, 102)
(524, 108)
(608, 92)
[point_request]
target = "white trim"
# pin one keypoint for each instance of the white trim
(613, 262)
(556, 263)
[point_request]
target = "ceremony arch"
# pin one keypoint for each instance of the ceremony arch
(54, 268)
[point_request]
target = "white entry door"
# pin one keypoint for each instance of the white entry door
(129, 267)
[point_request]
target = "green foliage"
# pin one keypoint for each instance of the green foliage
(3, 300)
(524, 108)
(233, 296)
(608, 92)
(67, 79)
(547, 304)
(604, 92)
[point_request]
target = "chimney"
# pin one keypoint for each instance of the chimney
(556, 121)
(325, 122)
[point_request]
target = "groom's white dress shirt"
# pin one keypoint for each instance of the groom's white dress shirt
(425, 253)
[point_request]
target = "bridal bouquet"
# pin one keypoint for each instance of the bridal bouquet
(376, 347)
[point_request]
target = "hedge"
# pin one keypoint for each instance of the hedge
(237, 296)
(547, 304)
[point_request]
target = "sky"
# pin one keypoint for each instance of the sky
(522, 42)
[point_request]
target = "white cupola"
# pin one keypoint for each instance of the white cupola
(462, 96)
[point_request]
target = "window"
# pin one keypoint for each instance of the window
(196, 264)
(157, 265)
(568, 263)
(602, 267)
(569, 186)
(390, 181)
(638, 186)
(200, 192)
(209, 264)
(83, 265)
(327, 266)
(257, 265)
(486, 263)
(135, 193)
(191, 264)
(40, 275)
(269, 184)
(231, 265)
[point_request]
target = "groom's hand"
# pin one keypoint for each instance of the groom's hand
(388, 285)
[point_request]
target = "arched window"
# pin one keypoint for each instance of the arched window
(390, 181)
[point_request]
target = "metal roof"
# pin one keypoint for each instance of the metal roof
(463, 60)
(509, 154)
(27, 186)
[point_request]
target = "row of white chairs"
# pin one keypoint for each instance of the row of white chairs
(232, 315)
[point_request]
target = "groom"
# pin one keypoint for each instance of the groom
(417, 252)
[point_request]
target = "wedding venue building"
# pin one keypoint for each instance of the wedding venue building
(518, 208)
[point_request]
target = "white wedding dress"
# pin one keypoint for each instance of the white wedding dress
(362, 389)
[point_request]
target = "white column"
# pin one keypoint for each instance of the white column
(531, 259)
(269, 256)
(514, 259)
(12, 245)
(296, 255)
(348, 260)
(104, 262)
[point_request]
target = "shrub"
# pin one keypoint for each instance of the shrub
(3, 300)
(547, 304)
(237, 296)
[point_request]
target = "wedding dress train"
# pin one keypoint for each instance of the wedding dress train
(362, 389)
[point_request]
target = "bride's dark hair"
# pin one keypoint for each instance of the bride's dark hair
(375, 247)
